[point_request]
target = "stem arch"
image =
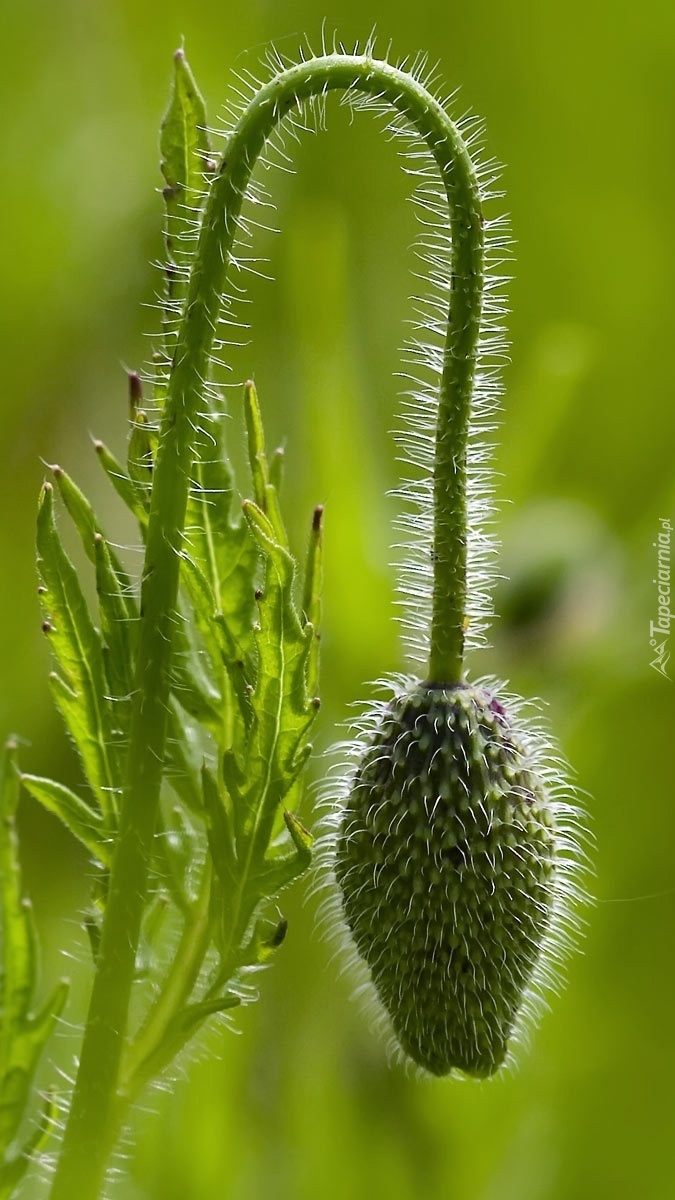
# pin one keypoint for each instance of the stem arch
(88, 1133)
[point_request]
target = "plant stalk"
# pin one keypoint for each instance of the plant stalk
(80, 1171)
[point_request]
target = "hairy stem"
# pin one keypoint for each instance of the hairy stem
(82, 1163)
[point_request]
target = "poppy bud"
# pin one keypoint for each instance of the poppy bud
(447, 863)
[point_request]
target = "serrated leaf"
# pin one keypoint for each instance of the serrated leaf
(276, 747)
(135, 496)
(117, 605)
(27, 1044)
(176, 845)
(183, 142)
(18, 964)
(223, 651)
(220, 545)
(256, 444)
(86, 522)
(14, 1168)
(311, 601)
(263, 943)
(185, 150)
(280, 870)
(22, 1035)
(185, 754)
(119, 626)
(191, 680)
(276, 469)
(181, 1028)
(77, 647)
(219, 830)
(264, 491)
(85, 823)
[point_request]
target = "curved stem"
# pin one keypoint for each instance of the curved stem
(82, 1162)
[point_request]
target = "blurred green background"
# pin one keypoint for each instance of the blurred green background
(579, 101)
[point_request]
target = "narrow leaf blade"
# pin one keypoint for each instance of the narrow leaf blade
(77, 647)
(85, 823)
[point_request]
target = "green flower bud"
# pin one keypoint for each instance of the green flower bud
(448, 864)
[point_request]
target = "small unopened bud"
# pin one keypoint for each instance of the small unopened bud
(446, 860)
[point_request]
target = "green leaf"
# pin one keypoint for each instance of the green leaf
(281, 869)
(86, 522)
(263, 943)
(221, 546)
(311, 602)
(185, 150)
(277, 463)
(220, 831)
(25, 1050)
(119, 625)
(134, 495)
(264, 491)
(81, 692)
(18, 965)
(222, 649)
(182, 1027)
(191, 679)
(264, 767)
(13, 1169)
(185, 755)
(256, 444)
(283, 711)
(22, 1035)
(117, 604)
(176, 845)
(85, 823)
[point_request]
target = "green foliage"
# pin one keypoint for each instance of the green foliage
(304, 1103)
(23, 1032)
(184, 146)
(239, 701)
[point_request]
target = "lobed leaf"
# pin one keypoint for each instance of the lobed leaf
(185, 150)
(13, 1169)
(22, 1035)
(220, 546)
(117, 604)
(18, 964)
(133, 495)
(280, 701)
(83, 821)
(81, 690)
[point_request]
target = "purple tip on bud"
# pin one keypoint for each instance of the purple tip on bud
(135, 390)
(317, 519)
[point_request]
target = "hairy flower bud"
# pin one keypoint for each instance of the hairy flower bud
(446, 860)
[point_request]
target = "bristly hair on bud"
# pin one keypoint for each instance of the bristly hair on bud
(453, 851)
(457, 862)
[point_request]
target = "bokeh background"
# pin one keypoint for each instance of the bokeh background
(579, 102)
